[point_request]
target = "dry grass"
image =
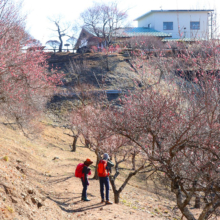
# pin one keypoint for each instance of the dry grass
(31, 164)
(31, 167)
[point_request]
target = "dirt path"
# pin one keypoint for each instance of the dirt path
(63, 188)
(41, 172)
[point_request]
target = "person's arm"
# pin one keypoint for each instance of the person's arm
(85, 171)
(110, 163)
(89, 171)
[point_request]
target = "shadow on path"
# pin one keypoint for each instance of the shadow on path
(59, 180)
(67, 203)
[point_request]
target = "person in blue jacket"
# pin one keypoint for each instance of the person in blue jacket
(104, 181)
(85, 182)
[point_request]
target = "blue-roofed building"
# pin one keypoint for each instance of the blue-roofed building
(140, 31)
(88, 38)
(180, 24)
(188, 25)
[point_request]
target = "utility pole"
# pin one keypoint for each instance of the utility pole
(211, 26)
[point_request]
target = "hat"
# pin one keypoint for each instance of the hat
(88, 162)
(105, 156)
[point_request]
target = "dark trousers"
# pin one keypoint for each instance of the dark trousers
(104, 181)
(84, 193)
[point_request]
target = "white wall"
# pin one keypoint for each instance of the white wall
(181, 19)
(147, 20)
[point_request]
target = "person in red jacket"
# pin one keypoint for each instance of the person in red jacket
(85, 182)
(104, 168)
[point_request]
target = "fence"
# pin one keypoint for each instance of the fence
(50, 50)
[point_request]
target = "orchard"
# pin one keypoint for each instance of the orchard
(172, 119)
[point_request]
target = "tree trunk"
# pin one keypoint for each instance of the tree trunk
(96, 177)
(61, 44)
(74, 144)
(86, 143)
(133, 161)
(197, 202)
(115, 191)
(107, 63)
(98, 158)
(60, 37)
(112, 181)
(180, 202)
(116, 197)
(107, 58)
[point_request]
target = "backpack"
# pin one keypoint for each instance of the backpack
(78, 171)
(102, 171)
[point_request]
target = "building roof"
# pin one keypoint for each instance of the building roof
(180, 39)
(141, 31)
(153, 11)
(136, 31)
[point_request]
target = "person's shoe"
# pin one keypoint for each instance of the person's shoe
(82, 198)
(86, 199)
(108, 203)
(102, 201)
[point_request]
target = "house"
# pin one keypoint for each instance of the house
(88, 38)
(180, 24)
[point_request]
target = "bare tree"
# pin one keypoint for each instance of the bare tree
(72, 41)
(61, 30)
(54, 44)
(104, 19)
(73, 36)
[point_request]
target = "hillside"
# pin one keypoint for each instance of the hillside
(37, 174)
(37, 182)
(91, 69)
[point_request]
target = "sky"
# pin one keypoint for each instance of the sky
(38, 11)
